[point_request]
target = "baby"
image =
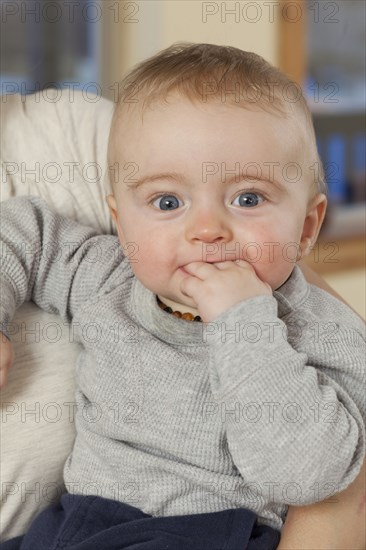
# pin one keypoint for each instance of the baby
(219, 387)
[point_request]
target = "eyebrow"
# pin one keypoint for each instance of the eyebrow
(175, 177)
(172, 176)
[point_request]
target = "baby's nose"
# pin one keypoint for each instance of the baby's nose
(208, 226)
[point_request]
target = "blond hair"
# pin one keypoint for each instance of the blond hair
(207, 72)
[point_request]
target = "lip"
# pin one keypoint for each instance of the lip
(206, 262)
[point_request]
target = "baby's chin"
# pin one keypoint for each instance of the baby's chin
(280, 281)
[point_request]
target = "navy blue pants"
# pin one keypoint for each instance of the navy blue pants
(94, 523)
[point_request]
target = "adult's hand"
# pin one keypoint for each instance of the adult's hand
(6, 358)
(334, 524)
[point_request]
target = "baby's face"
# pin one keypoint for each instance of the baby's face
(209, 183)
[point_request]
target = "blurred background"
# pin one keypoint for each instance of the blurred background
(90, 44)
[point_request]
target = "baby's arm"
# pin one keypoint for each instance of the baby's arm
(52, 260)
(294, 414)
(325, 525)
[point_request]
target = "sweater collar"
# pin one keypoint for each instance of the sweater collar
(161, 324)
(292, 292)
(177, 331)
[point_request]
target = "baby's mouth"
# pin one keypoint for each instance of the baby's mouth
(185, 271)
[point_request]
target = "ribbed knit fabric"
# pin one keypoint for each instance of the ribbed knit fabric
(260, 409)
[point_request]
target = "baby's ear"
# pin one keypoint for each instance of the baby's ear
(313, 222)
(112, 205)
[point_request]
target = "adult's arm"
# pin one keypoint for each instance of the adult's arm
(334, 524)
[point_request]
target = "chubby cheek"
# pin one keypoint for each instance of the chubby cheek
(274, 252)
(275, 273)
(153, 258)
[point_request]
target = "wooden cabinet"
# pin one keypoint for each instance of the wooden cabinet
(334, 256)
(321, 47)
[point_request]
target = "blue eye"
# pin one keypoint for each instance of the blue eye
(249, 199)
(167, 202)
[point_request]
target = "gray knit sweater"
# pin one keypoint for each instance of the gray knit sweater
(262, 408)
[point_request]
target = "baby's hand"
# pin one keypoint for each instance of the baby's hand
(217, 287)
(6, 358)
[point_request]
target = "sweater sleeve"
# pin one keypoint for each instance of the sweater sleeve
(50, 259)
(294, 413)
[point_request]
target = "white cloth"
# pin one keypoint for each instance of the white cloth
(54, 145)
